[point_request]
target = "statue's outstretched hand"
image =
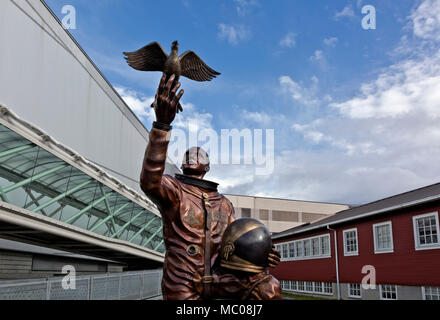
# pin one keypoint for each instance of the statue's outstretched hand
(166, 102)
(274, 258)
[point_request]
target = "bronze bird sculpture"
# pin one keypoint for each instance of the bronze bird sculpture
(153, 57)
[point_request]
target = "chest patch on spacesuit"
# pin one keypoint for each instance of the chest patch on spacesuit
(217, 216)
(191, 218)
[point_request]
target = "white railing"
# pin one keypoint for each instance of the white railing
(139, 285)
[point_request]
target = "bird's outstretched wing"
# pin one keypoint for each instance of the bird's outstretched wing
(194, 68)
(152, 57)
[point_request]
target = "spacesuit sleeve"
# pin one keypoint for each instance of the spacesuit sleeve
(230, 210)
(162, 189)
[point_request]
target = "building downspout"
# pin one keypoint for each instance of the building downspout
(338, 286)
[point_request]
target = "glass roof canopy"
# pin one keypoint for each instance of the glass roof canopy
(37, 180)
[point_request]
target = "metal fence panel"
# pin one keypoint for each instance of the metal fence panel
(26, 291)
(130, 287)
(99, 288)
(124, 286)
(113, 288)
(150, 288)
(81, 292)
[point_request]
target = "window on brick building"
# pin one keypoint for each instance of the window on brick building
(307, 248)
(350, 242)
(318, 287)
(431, 293)
(328, 287)
(388, 292)
(426, 229)
(278, 248)
(284, 253)
(383, 237)
(291, 250)
(294, 286)
(354, 290)
(299, 248)
(325, 245)
(316, 247)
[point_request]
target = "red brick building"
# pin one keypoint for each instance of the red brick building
(394, 240)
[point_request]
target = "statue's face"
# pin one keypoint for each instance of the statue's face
(196, 160)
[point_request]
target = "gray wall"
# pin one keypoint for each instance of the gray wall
(403, 293)
(24, 265)
(48, 81)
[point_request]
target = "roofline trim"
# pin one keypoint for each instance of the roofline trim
(139, 126)
(283, 199)
(25, 218)
(371, 213)
(40, 138)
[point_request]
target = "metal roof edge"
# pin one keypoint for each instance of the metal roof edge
(371, 213)
(131, 115)
(9, 119)
(284, 199)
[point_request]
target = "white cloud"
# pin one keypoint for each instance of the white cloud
(319, 58)
(138, 103)
(303, 95)
(193, 121)
(426, 20)
(261, 118)
(244, 6)
(311, 133)
(346, 12)
(331, 42)
(289, 40)
(403, 89)
(233, 34)
(380, 142)
(190, 119)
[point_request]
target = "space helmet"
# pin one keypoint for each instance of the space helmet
(246, 245)
(195, 160)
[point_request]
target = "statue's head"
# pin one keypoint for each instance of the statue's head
(175, 45)
(195, 162)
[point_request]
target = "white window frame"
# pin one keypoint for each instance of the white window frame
(380, 292)
(307, 244)
(376, 249)
(417, 244)
(351, 253)
(296, 257)
(299, 254)
(278, 248)
(286, 255)
(327, 237)
(294, 250)
(318, 285)
(309, 287)
(354, 296)
(330, 286)
(318, 254)
(430, 289)
(303, 285)
(293, 285)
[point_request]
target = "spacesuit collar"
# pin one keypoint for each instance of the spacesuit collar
(201, 183)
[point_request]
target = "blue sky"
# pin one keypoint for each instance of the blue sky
(354, 110)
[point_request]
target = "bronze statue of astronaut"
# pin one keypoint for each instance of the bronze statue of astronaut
(195, 216)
